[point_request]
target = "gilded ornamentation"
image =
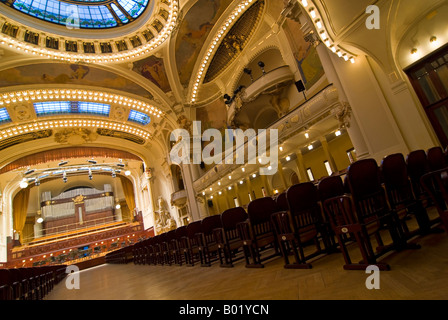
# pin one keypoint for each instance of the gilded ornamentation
(75, 136)
(78, 199)
(22, 112)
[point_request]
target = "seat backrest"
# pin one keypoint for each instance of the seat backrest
(330, 187)
(302, 196)
(303, 200)
(231, 217)
(436, 158)
(417, 164)
(394, 171)
(194, 228)
(363, 178)
(282, 202)
(261, 209)
(181, 232)
(210, 223)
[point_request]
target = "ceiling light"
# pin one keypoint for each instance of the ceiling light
(127, 172)
(310, 147)
(288, 158)
(337, 133)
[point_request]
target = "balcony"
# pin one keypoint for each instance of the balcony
(321, 107)
(267, 83)
(179, 198)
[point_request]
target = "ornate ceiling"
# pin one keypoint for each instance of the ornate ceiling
(144, 67)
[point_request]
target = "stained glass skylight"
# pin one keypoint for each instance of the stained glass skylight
(64, 107)
(82, 13)
(139, 117)
(4, 116)
(52, 107)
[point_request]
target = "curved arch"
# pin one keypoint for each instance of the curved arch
(58, 154)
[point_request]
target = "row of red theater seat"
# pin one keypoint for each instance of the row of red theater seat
(31, 283)
(301, 202)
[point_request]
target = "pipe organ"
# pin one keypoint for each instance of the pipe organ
(77, 208)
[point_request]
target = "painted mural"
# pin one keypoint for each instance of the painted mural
(213, 115)
(308, 61)
(193, 31)
(60, 73)
(153, 69)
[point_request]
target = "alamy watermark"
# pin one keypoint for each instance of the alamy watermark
(373, 20)
(232, 150)
(72, 280)
(72, 20)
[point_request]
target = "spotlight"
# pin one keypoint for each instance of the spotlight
(40, 220)
(37, 182)
(63, 162)
(121, 165)
(113, 174)
(127, 172)
(23, 184)
(64, 179)
(249, 72)
(261, 65)
(90, 174)
(91, 161)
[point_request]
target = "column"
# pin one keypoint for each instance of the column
(266, 185)
(327, 153)
(282, 176)
(303, 177)
(237, 192)
(249, 187)
(353, 129)
(191, 194)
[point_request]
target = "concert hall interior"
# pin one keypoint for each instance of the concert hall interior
(120, 149)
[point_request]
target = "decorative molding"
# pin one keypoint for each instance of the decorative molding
(52, 45)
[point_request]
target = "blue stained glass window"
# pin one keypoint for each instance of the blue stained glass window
(93, 107)
(139, 117)
(64, 107)
(4, 116)
(52, 107)
(119, 13)
(87, 12)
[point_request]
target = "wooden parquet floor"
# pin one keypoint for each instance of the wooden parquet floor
(420, 274)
